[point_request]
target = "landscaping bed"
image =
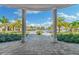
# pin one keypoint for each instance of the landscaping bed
(70, 38)
(66, 37)
(10, 37)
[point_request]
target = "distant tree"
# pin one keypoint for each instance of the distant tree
(4, 22)
(66, 25)
(74, 26)
(12, 26)
(50, 28)
(60, 22)
(18, 24)
(42, 28)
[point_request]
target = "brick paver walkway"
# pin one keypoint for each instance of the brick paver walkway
(38, 47)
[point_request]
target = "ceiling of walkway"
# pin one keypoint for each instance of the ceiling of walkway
(38, 6)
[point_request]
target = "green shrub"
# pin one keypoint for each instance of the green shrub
(10, 37)
(71, 38)
(6, 37)
(39, 32)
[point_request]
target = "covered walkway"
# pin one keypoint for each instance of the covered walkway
(38, 47)
(38, 44)
(39, 7)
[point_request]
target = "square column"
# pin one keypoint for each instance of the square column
(23, 25)
(54, 24)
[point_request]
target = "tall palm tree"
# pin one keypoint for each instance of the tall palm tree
(74, 25)
(11, 26)
(60, 23)
(66, 25)
(18, 24)
(4, 22)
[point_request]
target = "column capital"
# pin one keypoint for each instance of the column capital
(54, 9)
(23, 9)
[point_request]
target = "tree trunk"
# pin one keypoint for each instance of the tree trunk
(59, 29)
(70, 29)
(13, 29)
(6, 28)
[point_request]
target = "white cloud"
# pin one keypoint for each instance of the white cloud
(77, 14)
(12, 21)
(27, 22)
(49, 18)
(33, 24)
(18, 12)
(68, 17)
(45, 24)
(34, 12)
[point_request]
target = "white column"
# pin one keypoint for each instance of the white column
(23, 25)
(55, 24)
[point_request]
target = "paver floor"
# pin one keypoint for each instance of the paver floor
(38, 45)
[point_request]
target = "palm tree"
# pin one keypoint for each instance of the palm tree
(50, 28)
(11, 26)
(66, 25)
(18, 25)
(60, 23)
(74, 26)
(4, 22)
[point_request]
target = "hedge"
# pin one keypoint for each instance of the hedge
(70, 38)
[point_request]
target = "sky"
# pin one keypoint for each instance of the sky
(43, 18)
(70, 13)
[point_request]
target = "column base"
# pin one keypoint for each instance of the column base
(22, 41)
(54, 41)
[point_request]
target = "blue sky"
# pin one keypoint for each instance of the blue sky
(69, 13)
(40, 17)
